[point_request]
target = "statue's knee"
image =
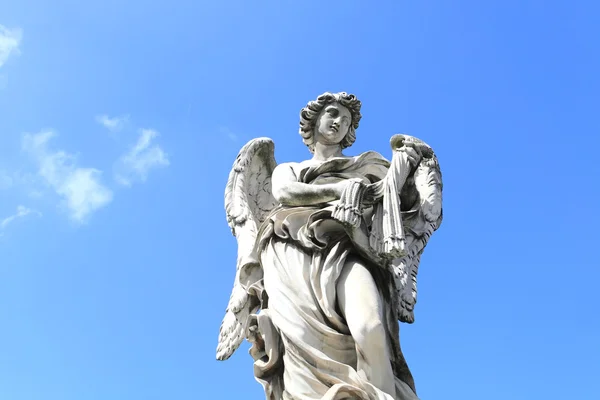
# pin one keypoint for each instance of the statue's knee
(372, 333)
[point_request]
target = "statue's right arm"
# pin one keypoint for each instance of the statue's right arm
(289, 192)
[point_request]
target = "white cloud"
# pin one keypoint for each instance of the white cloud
(22, 211)
(10, 39)
(232, 136)
(21, 182)
(16, 178)
(79, 187)
(143, 157)
(6, 180)
(114, 124)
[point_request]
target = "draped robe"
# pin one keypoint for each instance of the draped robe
(303, 348)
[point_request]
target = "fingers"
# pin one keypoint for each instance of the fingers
(376, 188)
(367, 202)
(373, 194)
(369, 199)
(413, 152)
(414, 146)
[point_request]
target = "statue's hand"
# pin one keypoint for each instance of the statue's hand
(338, 188)
(341, 186)
(373, 194)
(413, 152)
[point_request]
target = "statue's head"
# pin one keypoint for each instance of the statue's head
(331, 118)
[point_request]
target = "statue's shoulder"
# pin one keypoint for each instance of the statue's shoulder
(288, 170)
(373, 155)
(299, 166)
(288, 165)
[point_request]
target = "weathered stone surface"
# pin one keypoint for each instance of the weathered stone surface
(328, 253)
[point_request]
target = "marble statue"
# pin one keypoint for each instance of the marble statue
(328, 254)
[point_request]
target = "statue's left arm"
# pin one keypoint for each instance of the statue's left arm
(421, 196)
(407, 209)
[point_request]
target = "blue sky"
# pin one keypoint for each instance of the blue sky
(119, 122)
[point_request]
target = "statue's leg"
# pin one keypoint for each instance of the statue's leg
(362, 306)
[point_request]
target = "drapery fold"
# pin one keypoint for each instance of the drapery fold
(302, 346)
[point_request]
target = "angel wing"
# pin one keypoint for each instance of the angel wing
(248, 200)
(419, 224)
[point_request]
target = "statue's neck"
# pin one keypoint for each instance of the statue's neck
(324, 152)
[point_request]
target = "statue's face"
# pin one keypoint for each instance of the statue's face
(332, 124)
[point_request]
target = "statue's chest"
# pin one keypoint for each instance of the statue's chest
(335, 178)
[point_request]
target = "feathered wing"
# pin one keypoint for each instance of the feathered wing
(248, 200)
(419, 224)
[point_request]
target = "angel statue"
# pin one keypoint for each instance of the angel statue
(328, 253)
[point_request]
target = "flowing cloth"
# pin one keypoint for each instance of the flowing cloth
(308, 351)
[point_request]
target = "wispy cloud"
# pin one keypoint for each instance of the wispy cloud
(6, 180)
(10, 39)
(80, 188)
(22, 211)
(113, 124)
(232, 136)
(14, 178)
(141, 159)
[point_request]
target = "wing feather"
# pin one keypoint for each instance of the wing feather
(248, 200)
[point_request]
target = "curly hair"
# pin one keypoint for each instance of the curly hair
(310, 113)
